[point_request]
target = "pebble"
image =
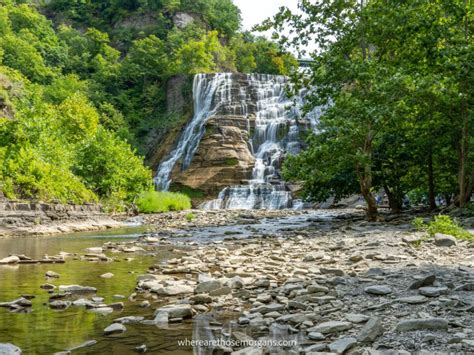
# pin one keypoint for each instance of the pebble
(115, 328)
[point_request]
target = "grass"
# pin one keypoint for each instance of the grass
(443, 224)
(160, 201)
(190, 216)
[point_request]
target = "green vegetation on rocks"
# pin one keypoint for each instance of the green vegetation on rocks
(443, 224)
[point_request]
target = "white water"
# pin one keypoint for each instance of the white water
(206, 90)
(276, 133)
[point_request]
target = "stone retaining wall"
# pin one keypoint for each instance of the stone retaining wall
(20, 217)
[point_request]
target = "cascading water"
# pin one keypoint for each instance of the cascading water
(206, 90)
(274, 119)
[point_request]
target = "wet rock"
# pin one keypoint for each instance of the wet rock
(77, 289)
(95, 250)
(47, 286)
(342, 345)
(102, 310)
(273, 307)
(433, 291)
(9, 349)
(59, 304)
(331, 327)
(356, 318)
(444, 240)
(317, 288)
(115, 328)
(379, 290)
(52, 274)
(422, 324)
(423, 281)
(19, 302)
(107, 275)
(176, 310)
(13, 259)
(129, 319)
(83, 345)
(371, 331)
(141, 349)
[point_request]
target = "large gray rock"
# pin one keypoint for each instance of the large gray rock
(372, 329)
(9, 349)
(379, 290)
(422, 324)
(316, 336)
(340, 346)
(115, 328)
(331, 327)
(356, 318)
(413, 299)
(444, 240)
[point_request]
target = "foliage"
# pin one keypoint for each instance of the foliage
(159, 201)
(190, 216)
(398, 110)
(443, 224)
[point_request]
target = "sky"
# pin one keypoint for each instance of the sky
(256, 11)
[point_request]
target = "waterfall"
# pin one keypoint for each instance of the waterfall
(275, 134)
(206, 90)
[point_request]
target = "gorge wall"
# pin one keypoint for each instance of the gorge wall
(230, 152)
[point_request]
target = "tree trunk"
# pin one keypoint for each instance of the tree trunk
(394, 200)
(431, 186)
(365, 182)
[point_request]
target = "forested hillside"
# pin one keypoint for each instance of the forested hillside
(82, 83)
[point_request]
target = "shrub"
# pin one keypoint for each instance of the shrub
(158, 201)
(443, 224)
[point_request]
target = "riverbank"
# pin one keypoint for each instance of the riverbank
(322, 280)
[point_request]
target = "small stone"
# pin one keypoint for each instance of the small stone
(432, 291)
(444, 240)
(95, 250)
(52, 274)
(107, 275)
(356, 318)
(208, 286)
(423, 281)
(378, 290)
(317, 288)
(129, 319)
(221, 291)
(422, 324)
(248, 351)
(413, 299)
(141, 349)
(331, 327)
(316, 336)
(332, 271)
(115, 328)
(77, 289)
(47, 286)
(342, 345)
(176, 310)
(371, 331)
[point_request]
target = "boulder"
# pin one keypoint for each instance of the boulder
(9, 349)
(208, 286)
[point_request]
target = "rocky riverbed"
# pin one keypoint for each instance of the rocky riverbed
(318, 281)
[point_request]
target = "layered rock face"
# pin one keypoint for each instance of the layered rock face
(233, 147)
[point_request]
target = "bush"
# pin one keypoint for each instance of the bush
(443, 224)
(158, 201)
